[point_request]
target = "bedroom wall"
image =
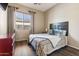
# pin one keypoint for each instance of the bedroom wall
(66, 12)
(3, 22)
(38, 18)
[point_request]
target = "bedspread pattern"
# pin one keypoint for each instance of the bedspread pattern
(43, 43)
(41, 46)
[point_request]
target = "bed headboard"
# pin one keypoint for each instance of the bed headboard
(60, 26)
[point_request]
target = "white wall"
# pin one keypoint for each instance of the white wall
(3, 22)
(66, 12)
(39, 22)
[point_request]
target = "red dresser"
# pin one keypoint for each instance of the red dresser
(6, 46)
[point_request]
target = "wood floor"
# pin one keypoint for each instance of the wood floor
(65, 51)
(22, 49)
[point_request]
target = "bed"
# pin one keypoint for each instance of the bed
(45, 44)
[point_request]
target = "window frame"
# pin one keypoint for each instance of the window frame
(23, 21)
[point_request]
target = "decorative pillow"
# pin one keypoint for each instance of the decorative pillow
(60, 32)
(64, 32)
(50, 32)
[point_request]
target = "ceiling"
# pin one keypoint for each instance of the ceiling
(39, 6)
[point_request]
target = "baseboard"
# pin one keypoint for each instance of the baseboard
(73, 47)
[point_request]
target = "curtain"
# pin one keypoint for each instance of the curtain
(32, 22)
(11, 19)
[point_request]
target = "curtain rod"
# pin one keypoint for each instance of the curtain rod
(13, 7)
(32, 12)
(18, 8)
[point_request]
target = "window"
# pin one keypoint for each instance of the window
(23, 20)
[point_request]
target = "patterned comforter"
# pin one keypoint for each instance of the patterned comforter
(43, 43)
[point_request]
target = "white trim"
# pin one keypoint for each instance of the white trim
(73, 47)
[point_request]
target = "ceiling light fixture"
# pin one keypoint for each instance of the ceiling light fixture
(36, 3)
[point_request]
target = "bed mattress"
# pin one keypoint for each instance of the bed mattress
(50, 43)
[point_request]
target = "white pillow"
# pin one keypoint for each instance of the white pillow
(64, 32)
(61, 33)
